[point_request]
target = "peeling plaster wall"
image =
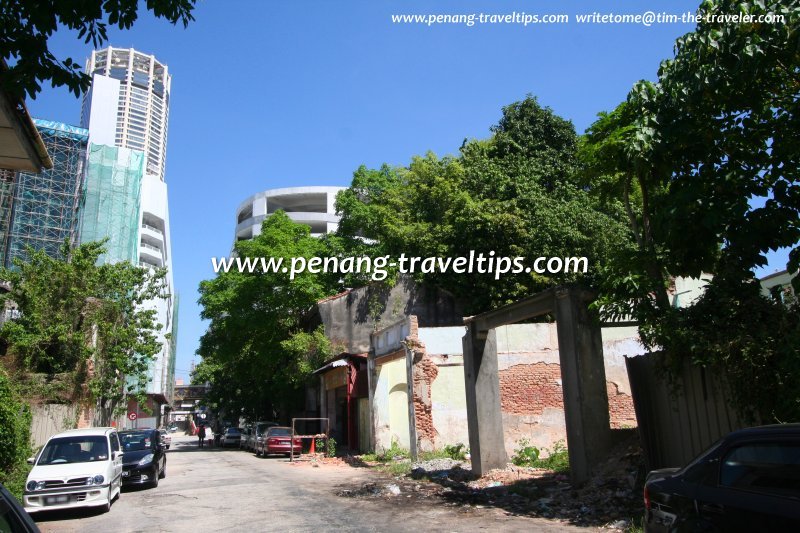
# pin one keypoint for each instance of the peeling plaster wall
(351, 318)
(530, 385)
(448, 399)
(531, 392)
(391, 402)
(449, 402)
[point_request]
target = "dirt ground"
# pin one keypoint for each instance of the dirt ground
(612, 499)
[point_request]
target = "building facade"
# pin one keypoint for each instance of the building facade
(312, 206)
(126, 112)
(140, 108)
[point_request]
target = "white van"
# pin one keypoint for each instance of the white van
(77, 468)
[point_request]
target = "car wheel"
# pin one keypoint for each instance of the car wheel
(163, 473)
(154, 483)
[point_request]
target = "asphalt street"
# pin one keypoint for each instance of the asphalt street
(213, 489)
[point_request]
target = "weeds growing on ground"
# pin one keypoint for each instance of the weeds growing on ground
(527, 455)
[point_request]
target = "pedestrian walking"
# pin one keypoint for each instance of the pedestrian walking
(201, 434)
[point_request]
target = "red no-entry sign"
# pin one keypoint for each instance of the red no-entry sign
(131, 416)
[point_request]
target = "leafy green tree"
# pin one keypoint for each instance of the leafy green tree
(516, 193)
(706, 162)
(15, 434)
(27, 25)
(90, 320)
(253, 353)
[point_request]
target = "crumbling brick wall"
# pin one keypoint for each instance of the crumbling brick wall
(529, 389)
(425, 371)
(620, 407)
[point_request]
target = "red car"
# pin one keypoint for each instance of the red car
(277, 439)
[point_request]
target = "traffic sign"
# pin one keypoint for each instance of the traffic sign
(131, 416)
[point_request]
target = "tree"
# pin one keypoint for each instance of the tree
(516, 194)
(86, 320)
(707, 163)
(26, 26)
(254, 352)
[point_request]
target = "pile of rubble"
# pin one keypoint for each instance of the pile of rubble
(610, 499)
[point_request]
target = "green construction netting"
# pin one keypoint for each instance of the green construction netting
(112, 201)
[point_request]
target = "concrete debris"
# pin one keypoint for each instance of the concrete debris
(394, 490)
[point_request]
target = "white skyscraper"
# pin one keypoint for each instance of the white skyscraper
(142, 107)
(127, 107)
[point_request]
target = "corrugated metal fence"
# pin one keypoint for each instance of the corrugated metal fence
(675, 425)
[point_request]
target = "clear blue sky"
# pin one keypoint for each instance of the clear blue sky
(301, 92)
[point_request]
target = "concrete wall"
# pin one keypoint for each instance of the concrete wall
(391, 402)
(449, 402)
(531, 392)
(352, 317)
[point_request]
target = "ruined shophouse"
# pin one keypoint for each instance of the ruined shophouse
(401, 377)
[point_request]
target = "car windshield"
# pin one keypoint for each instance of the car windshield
(233, 431)
(132, 442)
(77, 449)
(279, 432)
(261, 428)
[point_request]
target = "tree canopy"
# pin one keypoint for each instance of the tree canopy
(27, 25)
(516, 194)
(255, 353)
(84, 319)
(706, 162)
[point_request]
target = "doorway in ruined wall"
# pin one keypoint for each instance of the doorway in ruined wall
(531, 392)
(580, 354)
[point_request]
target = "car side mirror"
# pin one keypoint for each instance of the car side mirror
(118, 454)
(31, 460)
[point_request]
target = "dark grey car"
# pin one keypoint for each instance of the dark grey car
(748, 481)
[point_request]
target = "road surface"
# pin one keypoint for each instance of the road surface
(213, 489)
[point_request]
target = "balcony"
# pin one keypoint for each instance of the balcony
(151, 254)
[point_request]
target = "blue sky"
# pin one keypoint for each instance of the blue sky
(272, 94)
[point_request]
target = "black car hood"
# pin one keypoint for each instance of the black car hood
(131, 458)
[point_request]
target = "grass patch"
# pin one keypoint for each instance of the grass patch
(636, 525)
(556, 460)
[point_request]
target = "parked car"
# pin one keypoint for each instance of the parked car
(246, 431)
(259, 428)
(13, 517)
(748, 481)
(77, 468)
(166, 438)
(173, 428)
(145, 458)
(277, 441)
(231, 437)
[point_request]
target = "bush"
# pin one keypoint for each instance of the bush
(330, 451)
(525, 455)
(15, 436)
(557, 459)
(456, 451)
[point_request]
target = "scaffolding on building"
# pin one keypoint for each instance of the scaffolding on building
(173, 351)
(112, 204)
(44, 206)
(7, 180)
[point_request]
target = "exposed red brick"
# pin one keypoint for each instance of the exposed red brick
(530, 389)
(425, 371)
(620, 407)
